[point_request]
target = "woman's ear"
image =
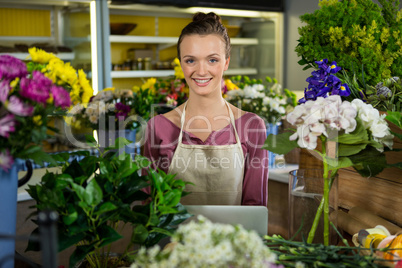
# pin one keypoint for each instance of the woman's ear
(227, 63)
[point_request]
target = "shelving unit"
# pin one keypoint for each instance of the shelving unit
(24, 56)
(165, 73)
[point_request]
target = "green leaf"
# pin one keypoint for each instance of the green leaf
(40, 158)
(350, 149)
(279, 144)
(105, 167)
(338, 163)
(397, 165)
(79, 190)
(395, 118)
(79, 254)
(399, 136)
(64, 241)
(33, 243)
(161, 231)
(140, 234)
(108, 235)
(90, 140)
(93, 193)
(359, 135)
(72, 215)
(105, 207)
(369, 162)
(74, 169)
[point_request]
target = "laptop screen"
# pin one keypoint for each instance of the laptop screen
(250, 217)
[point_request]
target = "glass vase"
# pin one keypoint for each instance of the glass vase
(272, 128)
(306, 191)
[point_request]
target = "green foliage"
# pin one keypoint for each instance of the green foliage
(303, 254)
(356, 34)
(95, 195)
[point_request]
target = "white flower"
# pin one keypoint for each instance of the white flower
(374, 122)
(104, 95)
(218, 245)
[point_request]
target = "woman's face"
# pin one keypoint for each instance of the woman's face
(203, 62)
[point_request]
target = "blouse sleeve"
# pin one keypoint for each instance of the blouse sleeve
(150, 150)
(255, 184)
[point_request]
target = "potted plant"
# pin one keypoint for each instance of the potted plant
(93, 195)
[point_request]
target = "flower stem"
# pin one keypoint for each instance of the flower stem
(324, 204)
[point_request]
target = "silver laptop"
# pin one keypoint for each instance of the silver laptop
(250, 217)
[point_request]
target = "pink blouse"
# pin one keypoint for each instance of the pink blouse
(161, 143)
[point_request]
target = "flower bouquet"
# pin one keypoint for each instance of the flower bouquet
(202, 243)
(357, 129)
(269, 101)
(29, 93)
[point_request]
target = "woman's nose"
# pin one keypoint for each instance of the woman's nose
(202, 69)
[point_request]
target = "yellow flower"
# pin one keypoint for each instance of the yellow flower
(37, 120)
(230, 85)
(40, 56)
(87, 90)
(136, 89)
(149, 84)
(178, 72)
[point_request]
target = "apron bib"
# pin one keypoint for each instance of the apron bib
(216, 171)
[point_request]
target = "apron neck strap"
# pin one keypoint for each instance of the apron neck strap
(232, 121)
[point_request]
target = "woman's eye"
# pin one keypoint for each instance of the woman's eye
(213, 60)
(189, 61)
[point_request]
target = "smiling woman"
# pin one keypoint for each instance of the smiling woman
(207, 141)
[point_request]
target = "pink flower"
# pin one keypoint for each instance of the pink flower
(7, 125)
(37, 88)
(18, 107)
(4, 90)
(61, 97)
(6, 160)
(11, 68)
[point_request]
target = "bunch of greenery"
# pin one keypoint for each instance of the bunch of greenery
(302, 254)
(361, 36)
(95, 195)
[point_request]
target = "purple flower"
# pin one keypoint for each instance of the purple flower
(322, 82)
(61, 97)
(18, 107)
(322, 64)
(7, 125)
(333, 68)
(6, 160)
(11, 68)
(4, 90)
(37, 88)
(122, 110)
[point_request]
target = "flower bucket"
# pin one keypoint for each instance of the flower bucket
(107, 138)
(305, 194)
(272, 129)
(8, 210)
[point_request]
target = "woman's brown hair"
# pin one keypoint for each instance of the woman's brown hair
(205, 24)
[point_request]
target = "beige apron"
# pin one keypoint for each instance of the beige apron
(216, 171)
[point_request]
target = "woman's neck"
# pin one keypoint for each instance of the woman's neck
(206, 106)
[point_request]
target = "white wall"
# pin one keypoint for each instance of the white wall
(294, 76)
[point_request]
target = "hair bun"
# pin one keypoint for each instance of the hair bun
(200, 16)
